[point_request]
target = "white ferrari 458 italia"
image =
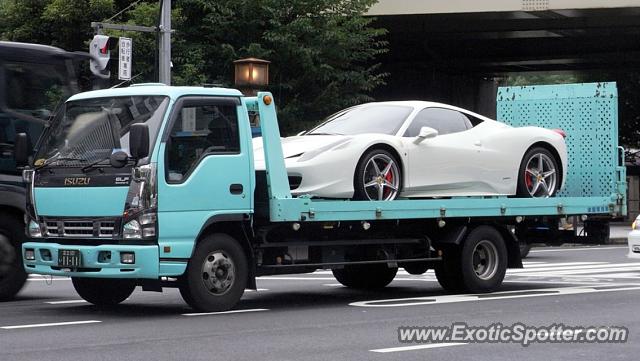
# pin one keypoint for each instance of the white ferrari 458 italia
(417, 149)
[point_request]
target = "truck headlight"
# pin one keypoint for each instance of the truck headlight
(34, 229)
(132, 229)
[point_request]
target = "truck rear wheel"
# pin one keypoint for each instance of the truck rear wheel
(216, 275)
(483, 260)
(370, 276)
(448, 271)
(103, 291)
(12, 273)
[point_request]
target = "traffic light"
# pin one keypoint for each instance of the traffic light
(101, 54)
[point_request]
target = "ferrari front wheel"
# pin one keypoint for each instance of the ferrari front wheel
(377, 176)
(539, 175)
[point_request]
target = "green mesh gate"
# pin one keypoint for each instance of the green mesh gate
(588, 113)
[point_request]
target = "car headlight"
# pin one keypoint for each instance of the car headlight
(140, 219)
(313, 153)
(132, 229)
(34, 229)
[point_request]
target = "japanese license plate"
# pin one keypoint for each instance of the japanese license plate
(71, 258)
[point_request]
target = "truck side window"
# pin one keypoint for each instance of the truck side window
(198, 131)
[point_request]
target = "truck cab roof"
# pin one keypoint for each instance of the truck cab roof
(173, 92)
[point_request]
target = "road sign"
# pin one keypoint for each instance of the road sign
(125, 55)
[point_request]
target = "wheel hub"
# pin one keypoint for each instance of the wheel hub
(218, 273)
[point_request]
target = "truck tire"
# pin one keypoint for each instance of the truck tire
(12, 273)
(103, 291)
(483, 260)
(448, 270)
(366, 277)
(216, 275)
(524, 249)
(416, 268)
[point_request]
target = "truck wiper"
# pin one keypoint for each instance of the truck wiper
(47, 164)
(93, 165)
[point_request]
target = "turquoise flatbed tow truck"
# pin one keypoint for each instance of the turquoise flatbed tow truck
(155, 186)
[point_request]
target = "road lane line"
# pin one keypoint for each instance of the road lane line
(296, 278)
(570, 268)
(65, 302)
(565, 264)
(418, 347)
(576, 249)
(224, 312)
(49, 324)
(593, 271)
(432, 300)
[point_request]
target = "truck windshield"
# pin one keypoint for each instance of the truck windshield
(89, 130)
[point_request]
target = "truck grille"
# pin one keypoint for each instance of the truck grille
(81, 228)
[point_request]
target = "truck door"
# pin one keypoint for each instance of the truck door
(206, 168)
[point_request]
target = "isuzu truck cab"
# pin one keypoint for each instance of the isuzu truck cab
(155, 186)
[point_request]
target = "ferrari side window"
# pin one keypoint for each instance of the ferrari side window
(200, 130)
(445, 121)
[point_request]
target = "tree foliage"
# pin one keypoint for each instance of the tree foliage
(322, 52)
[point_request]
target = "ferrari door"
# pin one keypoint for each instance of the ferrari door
(448, 164)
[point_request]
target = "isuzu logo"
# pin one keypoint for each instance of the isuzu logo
(77, 181)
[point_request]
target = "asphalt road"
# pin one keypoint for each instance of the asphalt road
(311, 317)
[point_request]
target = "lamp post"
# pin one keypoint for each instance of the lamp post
(251, 74)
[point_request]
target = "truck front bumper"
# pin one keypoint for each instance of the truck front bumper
(102, 261)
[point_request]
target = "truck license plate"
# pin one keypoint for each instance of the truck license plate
(71, 258)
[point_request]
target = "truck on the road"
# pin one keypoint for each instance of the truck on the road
(155, 186)
(34, 80)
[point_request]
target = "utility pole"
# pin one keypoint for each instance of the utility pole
(164, 58)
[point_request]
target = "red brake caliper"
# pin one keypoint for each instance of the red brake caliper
(527, 179)
(388, 178)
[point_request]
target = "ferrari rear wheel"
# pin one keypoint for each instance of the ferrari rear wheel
(377, 176)
(539, 174)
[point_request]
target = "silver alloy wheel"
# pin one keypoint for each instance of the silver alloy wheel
(485, 260)
(381, 178)
(540, 176)
(218, 273)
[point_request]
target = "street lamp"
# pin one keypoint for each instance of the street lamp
(251, 74)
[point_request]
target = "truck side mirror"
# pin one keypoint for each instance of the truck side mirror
(139, 140)
(426, 133)
(21, 150)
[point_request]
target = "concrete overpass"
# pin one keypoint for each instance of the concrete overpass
(456, 51)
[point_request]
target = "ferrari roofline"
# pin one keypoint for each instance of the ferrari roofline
(421, 104)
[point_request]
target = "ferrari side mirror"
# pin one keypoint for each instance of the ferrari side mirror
(426, 133)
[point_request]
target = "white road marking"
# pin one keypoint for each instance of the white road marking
(48, 279)
(565, 264)
(601, 265)
(577, 249)
(65, 302)
(224, 312)
(418, 347)
(49, 324)
(593, 271)
(422, 301)
(296, 278)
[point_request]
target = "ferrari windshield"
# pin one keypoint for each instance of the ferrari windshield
(362, 119)
(89, 130)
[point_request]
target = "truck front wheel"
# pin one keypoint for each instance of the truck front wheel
(103, 291)
(370, 276)
(12, 274)
(216, 275)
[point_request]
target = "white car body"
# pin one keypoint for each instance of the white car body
(633, 240)
(481, 161)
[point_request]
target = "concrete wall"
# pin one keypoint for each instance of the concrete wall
(401, 7)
